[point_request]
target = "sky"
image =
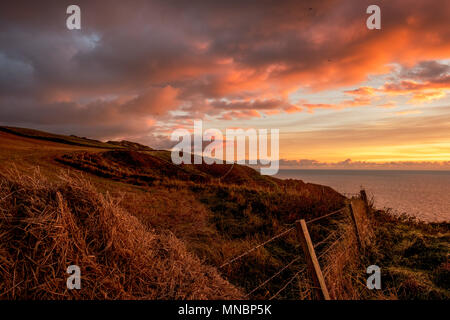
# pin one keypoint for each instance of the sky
(342, 96)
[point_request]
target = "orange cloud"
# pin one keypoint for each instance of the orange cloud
(408, 86)
(403, 113)
(388, 105)
(357, 102)
(362, 91)
(426, 81)
(253, 55)
(427, 96)
(247, 114)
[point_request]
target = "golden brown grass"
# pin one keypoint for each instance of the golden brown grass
(45, 227)
(124, 232)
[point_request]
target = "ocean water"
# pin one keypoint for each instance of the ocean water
(424, 194)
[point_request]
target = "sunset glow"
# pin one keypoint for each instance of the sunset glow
(225, 159)
(335, 89)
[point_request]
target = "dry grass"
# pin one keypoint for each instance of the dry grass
(45, 227)
(127, 245)
(341, 258)
(340, 262)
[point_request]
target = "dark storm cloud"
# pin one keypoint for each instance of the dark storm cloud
(134, 62)
(426, 70)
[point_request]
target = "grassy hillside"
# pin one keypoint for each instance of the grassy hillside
(72, 140)
(188, 217)
(45, 227)
(414, 256)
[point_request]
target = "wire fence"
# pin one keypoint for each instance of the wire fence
(296, 259)
(325, 216)
(325, 240)
(331, 246)
(258, 246)
(274, 276)
(288, 283)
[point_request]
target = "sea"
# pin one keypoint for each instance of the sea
(423, 194)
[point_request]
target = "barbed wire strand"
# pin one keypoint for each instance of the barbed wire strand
(278, 236)
(287, 283)
(258, 246)
(325, 216)
(331, 246)
(327, 270)
(274, 276)
(331, 235)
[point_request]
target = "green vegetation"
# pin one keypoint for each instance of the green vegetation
(414, 256)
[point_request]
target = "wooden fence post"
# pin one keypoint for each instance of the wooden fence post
(355, 224)
(363, 194)
(311, 259)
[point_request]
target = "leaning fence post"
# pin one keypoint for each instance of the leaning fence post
(311, 259)
(363, 194)
(355, 224)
